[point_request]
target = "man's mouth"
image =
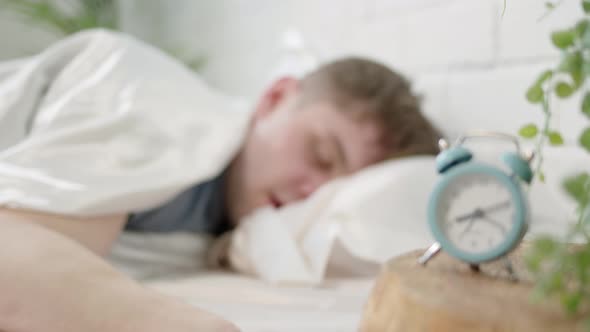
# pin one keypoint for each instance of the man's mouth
(275, 202)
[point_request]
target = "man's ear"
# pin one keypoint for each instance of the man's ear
(277, 93)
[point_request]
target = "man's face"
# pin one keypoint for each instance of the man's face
(294, 148)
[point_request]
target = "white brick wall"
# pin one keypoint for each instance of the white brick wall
(524, 30)
(471, 64)
(494, 99)
(444, 35)
(19, 38)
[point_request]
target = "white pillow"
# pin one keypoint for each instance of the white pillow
(376, 214)
(373, 215)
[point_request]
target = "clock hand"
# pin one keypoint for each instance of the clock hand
(478, 213)
(495, 223)
(498, 206)
(468, 228)
(468, 216)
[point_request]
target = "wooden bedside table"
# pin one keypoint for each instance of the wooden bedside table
(447, 296)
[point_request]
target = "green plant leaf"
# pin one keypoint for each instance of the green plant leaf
(564, 90)
(585, 139)
(575, 186)
(547, 74)
(552, 282)
(581, 28)
(533, 262)
(586, 6)
(545, 245)
(585, 39)
(571, 61)
(40, 12)
(586, 104)
(542, 177)
(582, 263)
(585, 220)
(578, 77)
(571, 301)
(540, 250)
(528, 131)
(67, 16)
(563, 39)
(555, 138)
(549, 5)
(535, 94)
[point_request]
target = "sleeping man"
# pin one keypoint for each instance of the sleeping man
(342, 117)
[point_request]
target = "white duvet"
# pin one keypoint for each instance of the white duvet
(101, 123)
(335, 306)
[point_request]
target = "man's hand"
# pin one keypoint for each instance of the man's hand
(218, 254)
(224, 254)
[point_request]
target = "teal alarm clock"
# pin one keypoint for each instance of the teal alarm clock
(478, 212)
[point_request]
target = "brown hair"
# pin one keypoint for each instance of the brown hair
(388, 96)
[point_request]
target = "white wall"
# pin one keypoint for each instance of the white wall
(18, 38)
(471, 64)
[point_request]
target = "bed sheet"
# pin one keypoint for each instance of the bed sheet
(255, 306)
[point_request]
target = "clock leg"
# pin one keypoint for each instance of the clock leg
(508, 265)
(430, 253)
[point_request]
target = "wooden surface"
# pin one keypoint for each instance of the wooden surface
(446, 295)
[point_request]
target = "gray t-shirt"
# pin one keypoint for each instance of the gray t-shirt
(200, 208)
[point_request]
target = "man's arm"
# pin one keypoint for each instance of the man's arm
(49, 283)
(96, 233)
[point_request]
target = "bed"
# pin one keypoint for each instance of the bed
(255, 306)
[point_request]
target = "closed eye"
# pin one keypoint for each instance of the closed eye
(322, 157)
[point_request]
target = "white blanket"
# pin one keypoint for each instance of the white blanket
(335, 306)
(102, 123)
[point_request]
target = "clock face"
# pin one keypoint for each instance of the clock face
(476, 212)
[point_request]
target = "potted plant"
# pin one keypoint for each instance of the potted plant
(563, 270)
